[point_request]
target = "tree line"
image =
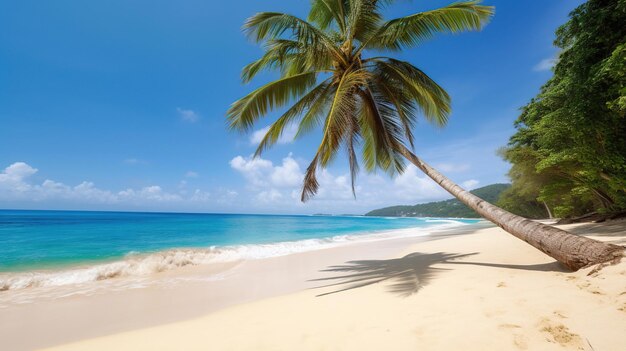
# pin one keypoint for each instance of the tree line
(568, 154)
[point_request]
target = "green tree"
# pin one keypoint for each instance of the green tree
(370, 103)
(571, 138)
(522, 197)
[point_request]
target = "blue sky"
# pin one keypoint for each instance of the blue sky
(120, 105)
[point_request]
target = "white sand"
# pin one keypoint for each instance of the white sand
(34, 318)
(498, 294)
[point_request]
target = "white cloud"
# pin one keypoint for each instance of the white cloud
(12, 178)
(18, 171)
(152, 193)
(269, 187)
(262, 173)
(413, 186)
(278, 187)
(545, 65)
(470, 184)
(191, 174)
(225, 198)
(270, 195)
(15, 185)
(288, 174)
(255, 170)
(287, 137)
(187, 115)
(200, 196)
(257, 136)
(87, 191)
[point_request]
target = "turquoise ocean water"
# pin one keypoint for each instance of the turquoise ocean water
(84, 245)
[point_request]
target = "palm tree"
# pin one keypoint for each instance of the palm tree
(369, 103)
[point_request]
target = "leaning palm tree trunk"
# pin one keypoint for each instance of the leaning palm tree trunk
(573, 251)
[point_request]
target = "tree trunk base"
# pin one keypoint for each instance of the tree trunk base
(599, 266)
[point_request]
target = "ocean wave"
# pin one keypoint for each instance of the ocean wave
(135, 264)
(443, 220)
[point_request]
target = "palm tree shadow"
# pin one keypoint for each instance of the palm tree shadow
(553, 266)
(407, 275)
(614, 231)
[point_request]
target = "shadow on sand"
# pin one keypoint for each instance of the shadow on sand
(408, 274)
(611, 229)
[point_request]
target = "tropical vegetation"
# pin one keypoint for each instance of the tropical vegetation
(333, 75)
(451, 208)
(568, 155)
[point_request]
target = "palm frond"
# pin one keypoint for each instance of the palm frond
(275, 56)
(403, 104)
(326, 12)
(363, 19)
(340, 114)
(273, 25)
(290, 116)
(290, 57)
(310, 58)
(409, 31)
(379, 118)
(310, 185)
(352, 141)
(317, 112)
(244, 112)
(430, 98)
(341, 110)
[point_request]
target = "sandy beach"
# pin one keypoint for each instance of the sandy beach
(313, 175)
(479, 290)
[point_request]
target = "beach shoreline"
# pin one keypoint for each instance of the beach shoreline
(42, 249)
(61, 314)
(484, 286)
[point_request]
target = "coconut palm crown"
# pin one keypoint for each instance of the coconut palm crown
(330, 68)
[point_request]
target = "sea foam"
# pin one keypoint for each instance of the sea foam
(135, 264)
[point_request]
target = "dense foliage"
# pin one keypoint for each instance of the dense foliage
(452, 208)
(569, 151)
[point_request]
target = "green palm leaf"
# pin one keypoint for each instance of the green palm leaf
(244, 112)
(326, 12)
(409, 31)
(290, 57)
(297, 110)
(276, 55)
(272, 25)
(430, 98)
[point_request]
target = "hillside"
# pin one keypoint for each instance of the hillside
(447, 208)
